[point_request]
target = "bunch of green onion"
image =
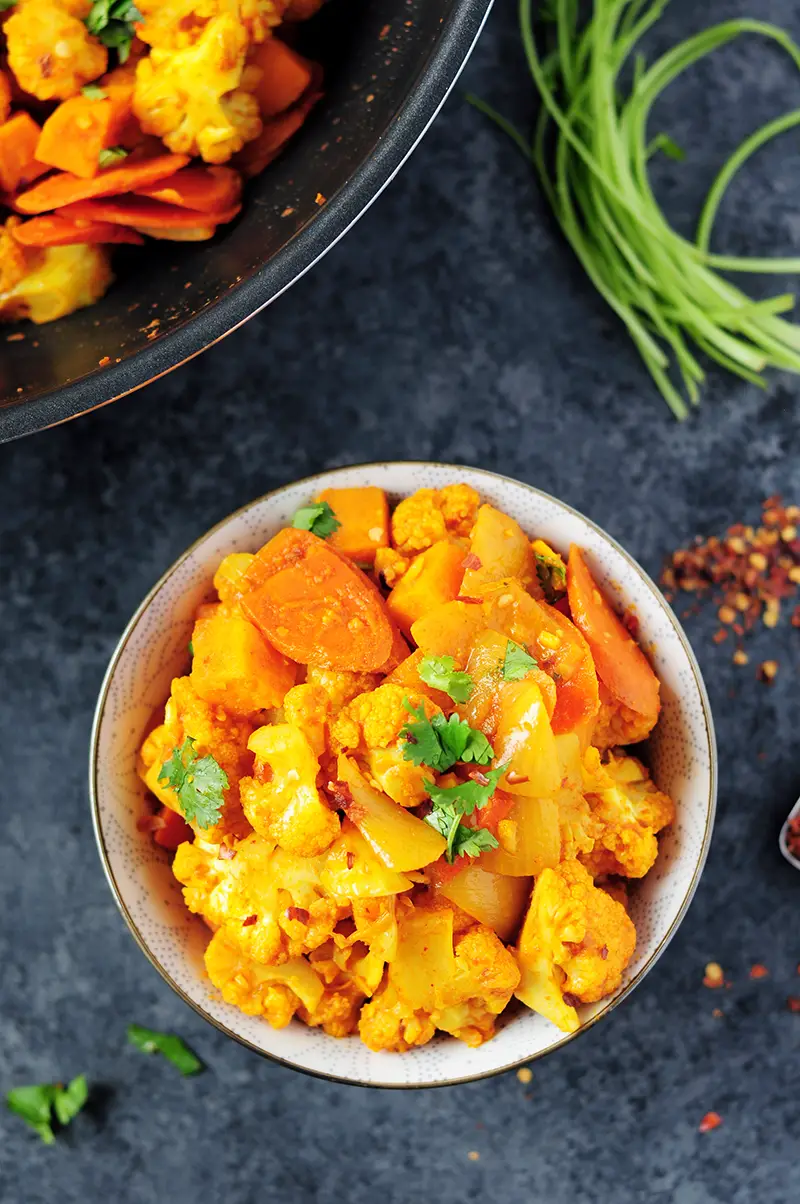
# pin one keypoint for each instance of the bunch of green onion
(590, 148)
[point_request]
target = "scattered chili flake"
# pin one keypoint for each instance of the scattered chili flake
(150, 823)
(740, 657)
(513, 778)
(717, 1013)
(720, 635)
(748, 572)
(297, 913)
(711, 1120)
(288, 211)
(714, 976)
(525, 1074)
(572, 1001)
(384, 32)
(604, 952)
(467, 598)
(248, 921)
(793, 1003)
(226, 852)
(105, 360)
(471, 561)
(18, 337)
(759, 971)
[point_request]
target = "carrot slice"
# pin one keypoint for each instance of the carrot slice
(208, 189)
(313, 604)
(52, 230)
(18, 138)
(141, 211)
(621, 665)
(285, 76)
(65, 188)
(185, 234)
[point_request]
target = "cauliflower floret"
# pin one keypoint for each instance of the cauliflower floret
(630, 810)
(191, 98)
(268, 902)
(390, 566)
(308, 708)
(459, 505)
(228, 577)
(437, 979)
(50, 50)
(574, 946)
(579, 827)
(370, 725)
(178, 24)
(341, 685)
(432, 514)
(618, 724)
(274, 992)
(282, 801)
(364, 951)
(338, 1009)
(215, 732)
(56, 281)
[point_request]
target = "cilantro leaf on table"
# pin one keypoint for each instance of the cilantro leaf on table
(439, 743)
(175, 1050)
(198, 783)
(35, 1104)
(517, 662)
(318, 518)
(440, 673)
(113, 23)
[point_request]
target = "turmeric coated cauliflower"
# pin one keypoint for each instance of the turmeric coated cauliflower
(179, 23)
(191, 98)
(269, 903)
(390, 566)
(55, 282)
(214, 731)
(341, 685)
(370, 726)
(630, 810)
(274, 992)
(282, 801)
(432, 514)
(574, 946)
(618, 724)
(50, 50)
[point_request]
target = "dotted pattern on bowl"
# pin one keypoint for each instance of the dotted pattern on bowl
(154, 650)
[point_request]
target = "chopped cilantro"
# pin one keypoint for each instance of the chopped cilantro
(198, 783)
(471, 842)
(113, 22)
(517, 663)
(449, 805)
(318, 518)
(110, 155)
(439, 742)
(440, 672)
(6, 4)
(468, 795)
(191, 649)
(35, 1104)
(92, 91)
(176, 1051)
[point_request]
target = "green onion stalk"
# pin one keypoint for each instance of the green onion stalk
(590, 150)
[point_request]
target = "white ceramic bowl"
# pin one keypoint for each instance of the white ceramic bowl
(152, 651)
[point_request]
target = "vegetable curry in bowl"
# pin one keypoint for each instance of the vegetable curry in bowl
(395, 778)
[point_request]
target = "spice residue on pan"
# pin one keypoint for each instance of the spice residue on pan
(749, 573)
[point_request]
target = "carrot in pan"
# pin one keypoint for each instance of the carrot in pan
(285, 76)
(18, 138)
(52, 230)
(66, 188)
(138, 211)
(207, 189)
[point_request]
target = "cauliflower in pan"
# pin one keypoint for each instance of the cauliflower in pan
(370, 726)
(179, 23)
(192, 99)
(282, 801)
(54, 281)
(50, 50)
(574, 946)
(630, 810)
(433, 514)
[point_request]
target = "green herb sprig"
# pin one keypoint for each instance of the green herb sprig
(171, 1047)
(450, 804)
(440, 673)
(439, 743)
(114, 23)
(36, 1104)
(199, 783)
(318, 518)
(517, 663)
(591, 152)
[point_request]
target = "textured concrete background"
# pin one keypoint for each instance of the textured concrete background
(452, 324)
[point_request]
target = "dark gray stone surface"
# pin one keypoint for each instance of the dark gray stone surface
(451, 324)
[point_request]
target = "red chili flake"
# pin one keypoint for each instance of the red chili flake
(714, 976)
(478, 776)
(631, 622)
(288, 211)
(226, 852)
(471, 561)
(248, 921)
(515, 779)
(100, 363)
(150, 823)
(297, 913)
(319, 199)
(717, 1013)
(720, 635)
(759, 971)
(467, 598)
(384, 32)
(604, 952)
(711, 1120)
(572, 1001)
(351, 860)
(793, 1003)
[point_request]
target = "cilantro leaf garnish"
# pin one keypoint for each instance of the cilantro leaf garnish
(91, 91)
(439, 742)
(110, 155)
(6, 4)
(450, 804)
(112, 22)
(440, 672)
(198, 783)
(552, 577)
(176, 1051)
(35, 1104)
(517, 662)
(318, 518)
